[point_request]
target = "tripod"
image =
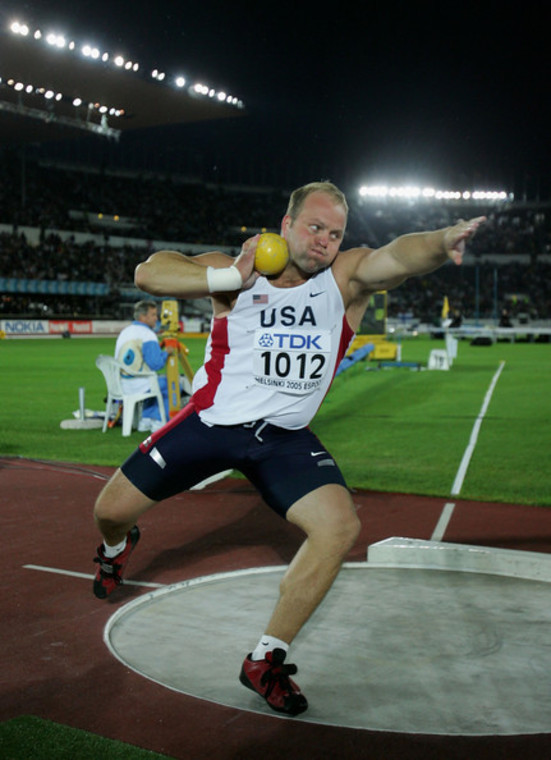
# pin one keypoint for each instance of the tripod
(170, 335)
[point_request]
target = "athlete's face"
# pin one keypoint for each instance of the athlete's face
(314, 237)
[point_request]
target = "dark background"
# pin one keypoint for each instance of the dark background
(454, 95)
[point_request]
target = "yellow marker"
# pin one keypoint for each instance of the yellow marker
(272, 254)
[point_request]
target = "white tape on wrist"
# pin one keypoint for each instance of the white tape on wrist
(223, 280)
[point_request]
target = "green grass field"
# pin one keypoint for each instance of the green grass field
(390, 430)
(31, 738)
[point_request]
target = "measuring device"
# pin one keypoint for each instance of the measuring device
(171, 339)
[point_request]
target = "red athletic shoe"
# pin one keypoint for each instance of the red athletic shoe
(270, 679)
(109, 572)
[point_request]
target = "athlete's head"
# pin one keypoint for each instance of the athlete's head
(314, 225)
(298, 197)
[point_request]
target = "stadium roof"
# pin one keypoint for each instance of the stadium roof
(40, 84)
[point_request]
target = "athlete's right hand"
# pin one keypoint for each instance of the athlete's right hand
(245, 263)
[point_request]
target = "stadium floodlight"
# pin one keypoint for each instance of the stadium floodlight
(373, 191)
(405, 192)
(491, 195)
(412, 193)
(92, 52)
(18, 28)
(55, 39)
(50, 94)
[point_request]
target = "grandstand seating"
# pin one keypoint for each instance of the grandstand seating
(74, 243)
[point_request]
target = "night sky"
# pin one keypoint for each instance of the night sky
(447, 94)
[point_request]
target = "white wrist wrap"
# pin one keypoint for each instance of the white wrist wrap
(223, 280)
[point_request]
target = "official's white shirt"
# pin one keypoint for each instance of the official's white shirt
(130, 347)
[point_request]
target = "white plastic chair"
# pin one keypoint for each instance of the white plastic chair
(131, 402)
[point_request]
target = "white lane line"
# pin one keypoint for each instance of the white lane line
(462, 471)
(443, 521)
(73, 574)
(445, 516)
(212, 479)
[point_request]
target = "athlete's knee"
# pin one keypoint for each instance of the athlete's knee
(345, 530)
(332, 524)
(105, 508)
(118, 502)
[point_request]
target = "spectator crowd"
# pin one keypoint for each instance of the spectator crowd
(68, 200)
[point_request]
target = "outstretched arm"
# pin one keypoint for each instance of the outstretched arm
(413, 254)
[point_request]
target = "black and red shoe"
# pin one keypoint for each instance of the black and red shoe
(110, 570)
(270, 679)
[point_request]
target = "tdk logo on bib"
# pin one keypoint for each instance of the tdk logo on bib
(292, 341)
(291, 362)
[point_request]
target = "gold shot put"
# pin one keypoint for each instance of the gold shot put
(272, 254)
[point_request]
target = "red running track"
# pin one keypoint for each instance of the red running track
(56, 666)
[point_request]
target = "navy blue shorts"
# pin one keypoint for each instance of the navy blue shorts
(283, 465)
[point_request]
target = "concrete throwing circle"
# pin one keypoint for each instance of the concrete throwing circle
(400, 650)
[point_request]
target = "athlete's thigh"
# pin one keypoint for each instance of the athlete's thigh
(294, 464)
(178, 456)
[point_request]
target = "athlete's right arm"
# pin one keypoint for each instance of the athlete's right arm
(169, 273)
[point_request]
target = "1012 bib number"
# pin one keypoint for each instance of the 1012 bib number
(294, 362)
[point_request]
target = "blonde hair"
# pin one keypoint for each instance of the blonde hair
(298, 197)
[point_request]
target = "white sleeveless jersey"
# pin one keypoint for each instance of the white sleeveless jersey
(274, 356)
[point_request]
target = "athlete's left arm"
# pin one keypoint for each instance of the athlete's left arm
(413, 254)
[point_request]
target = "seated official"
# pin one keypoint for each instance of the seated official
(138, 348)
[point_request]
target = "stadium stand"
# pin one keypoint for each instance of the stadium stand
(66, 224)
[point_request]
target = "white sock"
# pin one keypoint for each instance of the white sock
(112, 551)
(268, 644)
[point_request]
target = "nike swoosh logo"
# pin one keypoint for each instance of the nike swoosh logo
(317, 453)
(315, 295)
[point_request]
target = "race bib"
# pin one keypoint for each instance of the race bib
(293, 362)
